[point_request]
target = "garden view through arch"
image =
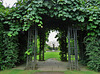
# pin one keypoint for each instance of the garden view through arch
(71, 18)
(52, 21)
(70, 33)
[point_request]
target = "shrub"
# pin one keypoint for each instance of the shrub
(9, 52)
(93, 51)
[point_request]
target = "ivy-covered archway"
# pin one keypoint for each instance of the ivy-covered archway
(35, 13)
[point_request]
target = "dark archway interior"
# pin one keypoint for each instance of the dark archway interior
(56, 23)
(53, 24)
(67, 31)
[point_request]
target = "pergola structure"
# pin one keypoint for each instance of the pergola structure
(68, 24)
(72, 47)
(74, 19)
(62, 15)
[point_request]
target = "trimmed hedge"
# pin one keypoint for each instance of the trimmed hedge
(93, 51)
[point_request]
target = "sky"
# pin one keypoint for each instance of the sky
(51, 38)
(9, 3)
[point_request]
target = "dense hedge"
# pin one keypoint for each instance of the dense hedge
(93, 51)
(11, 53)
(1, 43)
(63, 45)
(8, 48)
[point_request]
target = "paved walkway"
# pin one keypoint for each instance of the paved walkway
(52, 65)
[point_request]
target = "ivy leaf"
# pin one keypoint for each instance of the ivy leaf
(6, 22)
(10, 33)
(91, 18)
(88, 34)
(29, 9)
(74, 9)
(94, 26)
(18, 17)
(59, 8)
(16, 33)
(9, 17)
(39, 25)
(41, 22)
(82, 19)
(94, 18)
(12, 29)
(59, 15)
(88, 27)
(55, 13)
(97, 22)
(81, 8)
(31, 18)
(54, 7)
(49, 6)
(46, 3)
(37, 21)
(94, 14)
(92, 33)
(98, 34)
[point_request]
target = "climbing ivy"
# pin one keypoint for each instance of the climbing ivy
(63, 45)
(9, 49)
(84, 14)
(76, 12)
(93, 51)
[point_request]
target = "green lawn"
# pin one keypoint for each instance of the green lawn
(81, 72)
(56, 55)
(16, 71)
(49, 55)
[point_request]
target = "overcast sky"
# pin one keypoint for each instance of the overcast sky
(52, 36)
(9, 2)
(52, 39)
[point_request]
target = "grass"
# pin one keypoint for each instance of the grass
(47, 56)
(56, 55)
(80, 72)
(17, 71)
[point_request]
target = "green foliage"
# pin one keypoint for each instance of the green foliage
(82, 13)
(9, 52)
(29, 51)
(1, 43)
(93, 51)
(76, 12)
(63, 45)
